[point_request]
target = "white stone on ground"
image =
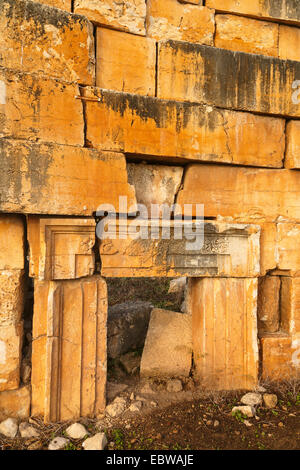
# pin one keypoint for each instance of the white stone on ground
(97, 442)
(174, 385)
(58, 443)
(28, 431)
(270, 400)
(9, 427)
(252, 399)
(76, 431)
(117, 407)
(245, 410)
(136, 406)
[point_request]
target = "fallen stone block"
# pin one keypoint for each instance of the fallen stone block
(97, 442)
(9, 428)
(168, 345)
(15, 403)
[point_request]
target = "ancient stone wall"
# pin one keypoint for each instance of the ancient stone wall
(160, 101)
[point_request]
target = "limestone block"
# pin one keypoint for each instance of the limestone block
(228, 250)
(56, 179)
(11, 242)
(168, 346)
(36, 108)
(11, 297)
(10, 356)
(181, 131)
(62, 4)
(40, 39)
(246, 35)
(224, 328)
(125, 62)
(216, 77)
(288, 239)
(268, 304)
(69, 349)
(287, 10)
(15, 403)
(280, 357)
(244, 194)
(292, 159)
(125, 15)
(169, 19)
(155, 184)
(290, 306)
(61, 248)
(289, 42)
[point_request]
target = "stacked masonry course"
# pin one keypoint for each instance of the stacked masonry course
(161, 101)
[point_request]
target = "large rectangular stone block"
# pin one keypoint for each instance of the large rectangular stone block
(228, 251)
(11, 242)
(289, 42)
(69, 349)
(125, 16)
(284, 10)
(268, 304)
(181, 131)
(246, 35)
(125, 62)
(12, 286)
(10, 356)
(15, 403)
(40, 39)
(169, 19)
(36, 108)
(202, 74)
(288, 239)
(56, 179)
(290, 306)
(225, 346)
(292, 158)
(280, 357)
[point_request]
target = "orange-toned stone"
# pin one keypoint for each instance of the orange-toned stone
(228, 250)
(125, 16)
(15, 403)
(69, 349)
(11, 297)
(57, 179)
(280, 357)
(224, 322)
(288, 239)
(169, 19)
(244, 194)
(246, 35)
(155, 184)
(10, 356)
(289, 42)
(216, 77)
(43, 40)
(287, 10)
(125, 62)
(268, 247)
(35, 108)
(268, 304)
(148, 126)
(292, 158)
(290, 306)
(11, 242)
(61, 248)
(62, 4)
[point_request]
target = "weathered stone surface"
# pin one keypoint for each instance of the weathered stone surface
(69, 334)
(76, 431)
(169, 19)
(97, 442)
(287, 10)
(11, 296)
(168, 345)
(57, 179)
(280, 357)
(246, 35)
(174, 386)
(131, 362)
(251, 399)
(43, 40)
(33, 107)
(11, 242)
(243, 194)
(58, 443)
(126, 15)
(245, 410)
(216, 77)
(288, 238)
(117, 407)
(125, 62)
(270, 400)
(9, 427)
(15, 403)
(10, 355)
(136, 407)
(154, 184)
(127, 327)
(62, 4)
(289, 42)
(27, 431)
(290, 306)
(225, 347)
(61, 248)
(268, 304)
(228, 250)
(181, 131)
(292, 159)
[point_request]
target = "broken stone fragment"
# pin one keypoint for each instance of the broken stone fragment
(27, 431)
(252, 399)
(9, 427)
(76, 431)
(245, 410)
(97, 442)
(270, 400)
(116, 408)
(174, 386)
(58, 443)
